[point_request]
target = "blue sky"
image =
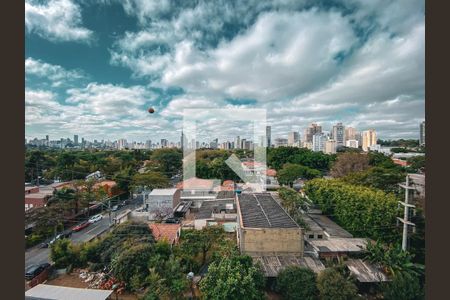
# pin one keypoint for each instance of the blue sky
(94, 67)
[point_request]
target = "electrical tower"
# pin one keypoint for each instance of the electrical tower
(407, 207)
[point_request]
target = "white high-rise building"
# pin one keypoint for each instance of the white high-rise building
(122, 144)
(352, 143)
(293, 138)
(237, 143)
(318, 142)
(369, 138)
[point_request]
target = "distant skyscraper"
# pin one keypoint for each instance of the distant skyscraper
(243, 143)
(237, 143)
(148, 144)
(352, 143)
(214, 144)
(269, 136)
(280, 142)
(164, 143)
(318, 142)
(350, 133)
(369, 138)
(330, 147)
(293, 138)
(338, 134)
(422, 133)
(183, 140)
(310, 131)
(121, 144)
(75, 139)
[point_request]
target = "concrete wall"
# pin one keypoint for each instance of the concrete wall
(271, 240)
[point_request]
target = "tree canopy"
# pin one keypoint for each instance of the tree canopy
(297, 283)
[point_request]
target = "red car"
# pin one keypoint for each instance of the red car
(81, 226)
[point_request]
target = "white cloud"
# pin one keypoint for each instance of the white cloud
(56, 20)
(55, 73)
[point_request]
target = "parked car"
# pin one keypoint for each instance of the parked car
(115, 208)
(35, 270)
(62, 235)
(95, 218)
(81, 226)
(172, 221)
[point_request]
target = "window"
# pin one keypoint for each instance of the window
(311, 236)
(319, 236)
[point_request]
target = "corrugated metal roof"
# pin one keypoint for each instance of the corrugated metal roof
(364, 271)
(45, 291)
(260, 210)
(273, 264)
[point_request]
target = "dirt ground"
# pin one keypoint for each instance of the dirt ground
(72, 280)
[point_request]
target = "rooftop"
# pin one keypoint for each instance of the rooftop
(225, 195)
(330, 228)
(364, 271)
(163, 192)
(28, 188)
(165, 231)
(196, 183)
(339, 245)
(260, 210)
(39, 195)
(207, 207)
(272, 265)
(53, 292)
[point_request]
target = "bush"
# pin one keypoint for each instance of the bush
(297, 283)
(333, 286)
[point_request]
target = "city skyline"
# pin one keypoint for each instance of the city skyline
(94, 68)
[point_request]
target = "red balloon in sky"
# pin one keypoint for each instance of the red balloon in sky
(151, 110)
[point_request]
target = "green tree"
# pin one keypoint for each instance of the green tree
(349, 162)
(201, 241)
(363, 211)
(61, 252)
(403, 286)
(169, 160)
(150, 180)
(130, 266)
(233, 278)
(333, 286)
(297, 283)
(291, 172)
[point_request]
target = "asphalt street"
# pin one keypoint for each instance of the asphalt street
(37, 255)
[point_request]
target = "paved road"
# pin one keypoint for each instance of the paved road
(36, 255)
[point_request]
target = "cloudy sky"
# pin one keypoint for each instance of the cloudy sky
(94, 67)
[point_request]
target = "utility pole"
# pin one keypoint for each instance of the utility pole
(405, 219)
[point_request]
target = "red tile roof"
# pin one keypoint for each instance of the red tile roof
(271, 172)
(165, 231)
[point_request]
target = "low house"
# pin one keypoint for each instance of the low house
(337, 247)
(161, 203)
(364, 272)
(168, 232)
(264, 228)
(271, 179)
(54, 292)
(198, 190)
(215, 212)
(31, 189)
(272, 265)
